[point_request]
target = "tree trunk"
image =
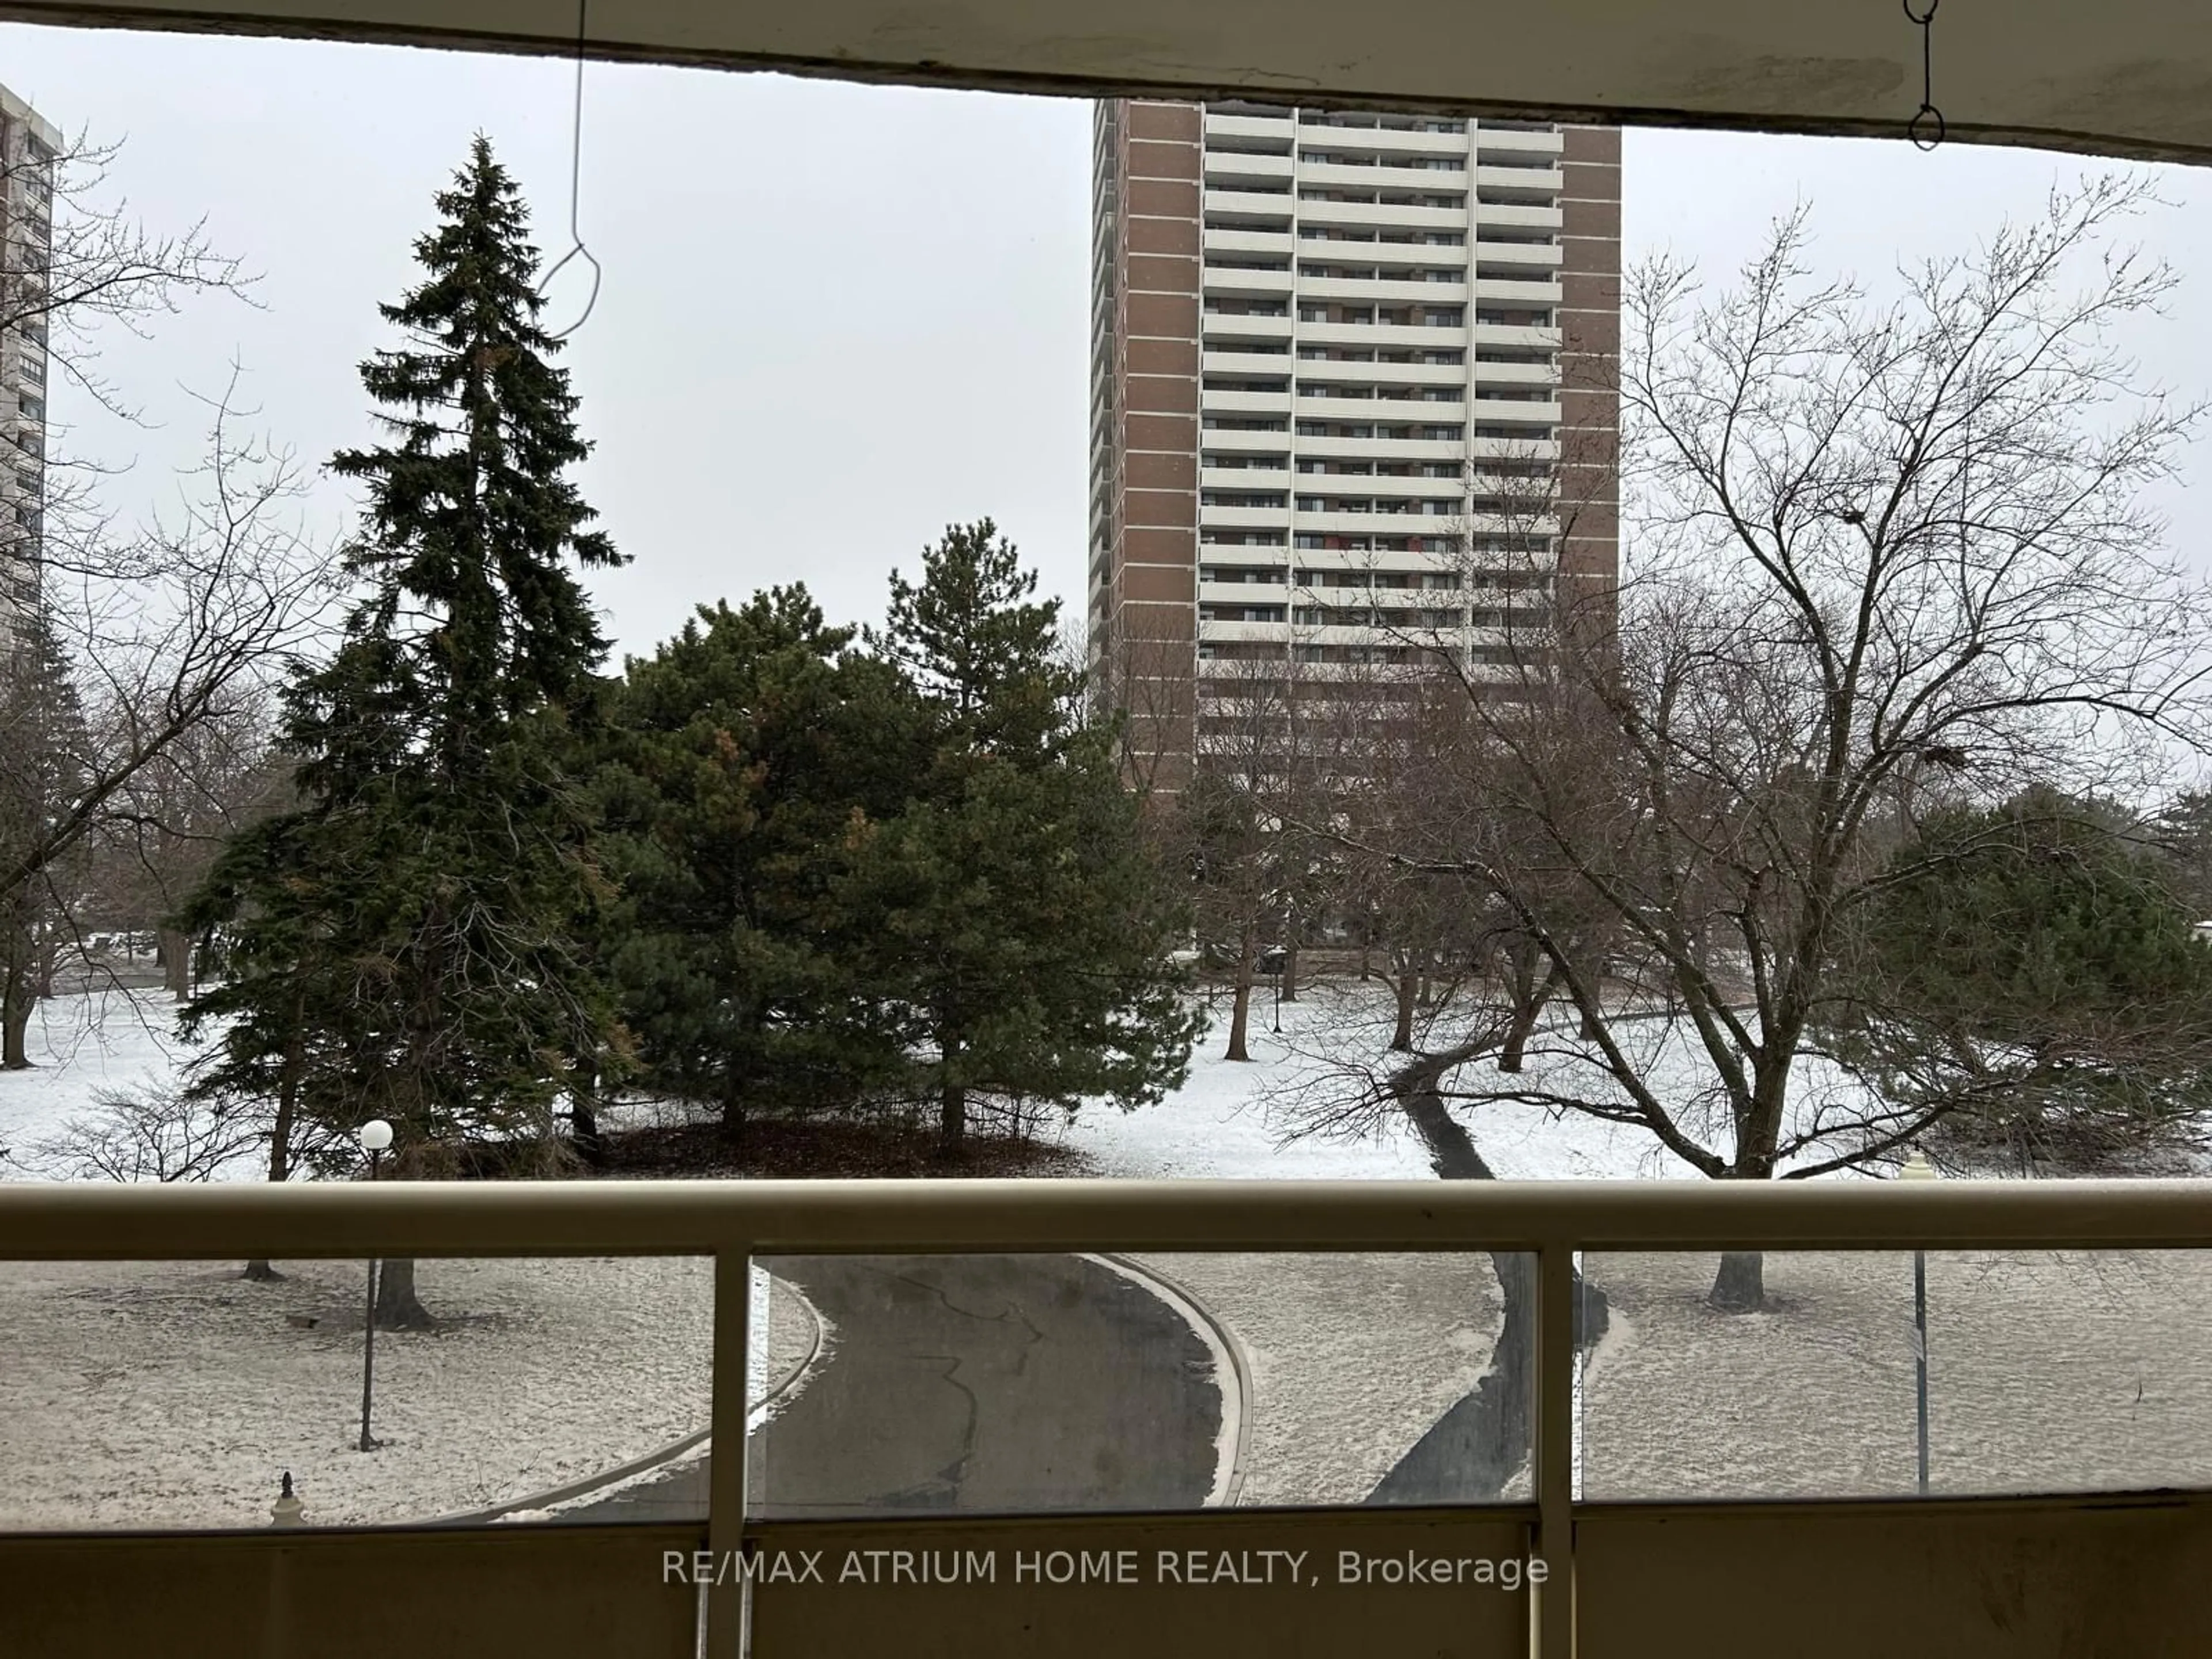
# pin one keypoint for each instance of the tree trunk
(397, 1306)
(1516, 1037)
(17, 993)
(585, 1131)
(1240, 1007)
(951, 1120)
(1740, 1287)
(279, 1135)
(1530, 995)
(176, 954)
(951, 1095)
(1409, 987)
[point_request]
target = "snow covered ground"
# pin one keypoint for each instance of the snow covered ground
(174, 1394)
(2048, 1372)
(78, 1047)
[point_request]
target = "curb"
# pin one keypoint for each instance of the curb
(1229, 1484)
(675, 1448)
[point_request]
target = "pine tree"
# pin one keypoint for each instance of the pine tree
(2032, 966)
(405, 945)
(740, 755)
(1022, 923)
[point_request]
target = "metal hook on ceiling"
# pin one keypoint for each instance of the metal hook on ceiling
(1926, 128)
(576, 249)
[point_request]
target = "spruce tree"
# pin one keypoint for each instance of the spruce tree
(42, 774)
(1018, 918)
(405, 945)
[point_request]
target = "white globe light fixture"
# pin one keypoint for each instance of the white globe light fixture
(376, 1136)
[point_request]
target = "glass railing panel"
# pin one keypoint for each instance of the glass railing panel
(140, 1395)
(1039, 1383)
(2045, 1372)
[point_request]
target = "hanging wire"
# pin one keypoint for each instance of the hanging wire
(576, 190)
(1926, 128)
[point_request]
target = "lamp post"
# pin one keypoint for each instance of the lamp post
(375, 1137)
(1917, 1168)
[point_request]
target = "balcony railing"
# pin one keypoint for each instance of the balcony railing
(1616, 1578)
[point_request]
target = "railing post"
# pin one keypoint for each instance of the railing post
(727, 1593)
(1554, 1601)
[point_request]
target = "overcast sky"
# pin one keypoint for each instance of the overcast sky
(833, 318)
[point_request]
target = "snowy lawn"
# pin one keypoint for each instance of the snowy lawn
(79, 1046)
(175, 1394)
(2047, 1371)
(1352, 1356)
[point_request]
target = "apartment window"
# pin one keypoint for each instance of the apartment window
(34, 407)
(1240, 613)
(1443, 316)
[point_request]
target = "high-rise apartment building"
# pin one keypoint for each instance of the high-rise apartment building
(1354, 393)
(28, 144)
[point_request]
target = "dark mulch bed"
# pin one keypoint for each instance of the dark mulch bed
(827, 1149)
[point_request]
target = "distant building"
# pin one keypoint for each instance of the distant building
(28, 144)
(1353, 382)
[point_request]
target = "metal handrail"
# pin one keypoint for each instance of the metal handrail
(43, 1221)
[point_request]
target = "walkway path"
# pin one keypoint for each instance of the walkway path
(974, 1383)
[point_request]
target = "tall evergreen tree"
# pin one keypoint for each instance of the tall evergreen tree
(42, 772)
(407, 940)
(1022, 923)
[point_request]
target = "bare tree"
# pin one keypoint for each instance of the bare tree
(1865, 539)
(137, 718)
(78, 262)
(164, 1137)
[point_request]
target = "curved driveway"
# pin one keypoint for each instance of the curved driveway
(968, 1384)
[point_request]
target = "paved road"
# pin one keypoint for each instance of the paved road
(989, 1384)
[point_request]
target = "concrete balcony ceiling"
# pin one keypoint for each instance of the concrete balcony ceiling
(2128, 76)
